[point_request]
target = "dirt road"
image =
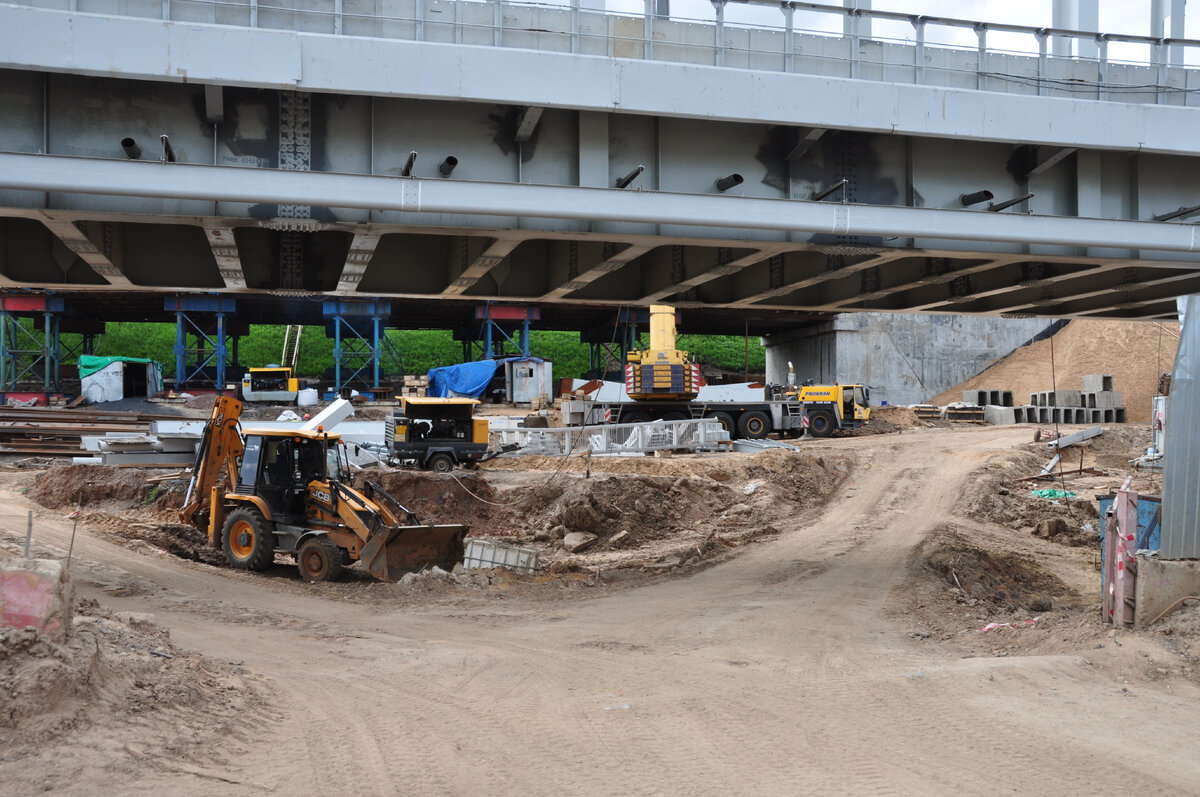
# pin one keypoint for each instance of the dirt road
(785, 670)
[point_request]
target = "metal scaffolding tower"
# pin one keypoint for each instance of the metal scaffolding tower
(206, 341)
(498, 328)
(29, 359)
(608, 345)
(361, 348)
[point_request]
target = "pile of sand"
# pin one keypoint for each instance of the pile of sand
(1134, 352)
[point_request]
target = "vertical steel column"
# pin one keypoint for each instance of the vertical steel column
(375, 353)
(166, 10)
(220, 351)
(854, 20)
(1102, 76)
(337, 17)
(487, 337)
(574, 26)
(5, 338)
(981, 55)
(337, 353)
(1043, 60)
(918, 24)
(789, 28)
(497, 24)
(525, 337)
(719, 30)
(419, 22)
(180, 339)
(254, 13)
(648, 31)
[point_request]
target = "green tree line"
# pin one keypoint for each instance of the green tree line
(419, 349)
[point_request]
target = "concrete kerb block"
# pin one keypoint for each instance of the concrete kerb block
(1120, 415)
(1106, 400)
(998, 415)
(1097, 383)
(978, 397)
(35, 593)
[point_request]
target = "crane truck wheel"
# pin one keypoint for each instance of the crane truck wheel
(754, 425)
(442, 463)
(820, 424)
(635, 417)
(247, 541)
(726, 421)
(319, 560)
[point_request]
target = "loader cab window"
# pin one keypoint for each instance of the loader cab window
(336, 465)
(276, 459)
(862, 396)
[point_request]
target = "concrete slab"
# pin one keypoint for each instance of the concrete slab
(35, 593)
(1160, 583)
(999, 415)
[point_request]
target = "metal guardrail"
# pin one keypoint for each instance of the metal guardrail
(718, 41)
(700, 434)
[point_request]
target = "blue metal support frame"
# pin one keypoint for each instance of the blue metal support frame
(23, 349)
(208, 351)
(360, 342)
(497, 321)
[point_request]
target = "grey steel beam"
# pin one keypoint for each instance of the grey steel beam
(362, 249)
(606, 266)
(491, 257)
(181, 51)
(1051, 161)
(1116, 293)
(528, 123)
(732, 267)
(1024, 277)
(818, 277)
(807, 139)
(77, 241)
(225, 252)
(228, 184)
(925, 278)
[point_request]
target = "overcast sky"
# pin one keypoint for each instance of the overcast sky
(1116, 16)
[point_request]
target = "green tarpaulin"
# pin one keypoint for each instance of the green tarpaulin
(90, 363)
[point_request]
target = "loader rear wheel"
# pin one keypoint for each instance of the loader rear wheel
(319, 560)
(247, 540)
(442, 463)
(820, 424)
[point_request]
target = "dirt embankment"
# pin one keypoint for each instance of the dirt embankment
(117, 682)
(1134, 352)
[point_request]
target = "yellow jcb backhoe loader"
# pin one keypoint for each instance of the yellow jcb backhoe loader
(266, 490)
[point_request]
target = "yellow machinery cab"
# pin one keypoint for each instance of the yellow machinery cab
(273, 383)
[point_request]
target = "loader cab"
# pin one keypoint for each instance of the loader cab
(278, 465)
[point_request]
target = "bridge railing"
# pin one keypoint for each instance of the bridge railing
(804, 37)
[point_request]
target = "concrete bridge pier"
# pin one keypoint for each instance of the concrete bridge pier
(905, 359)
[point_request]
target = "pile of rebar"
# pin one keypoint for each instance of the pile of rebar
(58, 432)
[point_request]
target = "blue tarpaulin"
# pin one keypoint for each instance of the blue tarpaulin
(468, 379)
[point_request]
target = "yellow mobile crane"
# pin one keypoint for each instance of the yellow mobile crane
(263, 491)
(663, 384)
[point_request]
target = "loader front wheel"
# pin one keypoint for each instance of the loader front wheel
(319, 560)
(247, 540)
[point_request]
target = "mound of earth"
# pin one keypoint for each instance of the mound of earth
(116, 675)
(1134, 352)
(93, 485)
(993, 496)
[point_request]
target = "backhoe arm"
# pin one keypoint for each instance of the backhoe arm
(216, 462)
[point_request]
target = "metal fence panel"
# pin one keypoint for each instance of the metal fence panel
(1181, 469)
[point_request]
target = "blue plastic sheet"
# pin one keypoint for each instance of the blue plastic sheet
(467, 379)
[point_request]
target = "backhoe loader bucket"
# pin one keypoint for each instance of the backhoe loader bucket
(391, 552)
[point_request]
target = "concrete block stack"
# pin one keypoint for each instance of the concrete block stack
(1097, 402)
(415, 386)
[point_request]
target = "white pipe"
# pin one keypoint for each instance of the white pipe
(270, 186)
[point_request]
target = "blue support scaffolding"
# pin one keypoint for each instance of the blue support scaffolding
(498, 325)
(209, 358)
(29, 357)
(362, 351)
